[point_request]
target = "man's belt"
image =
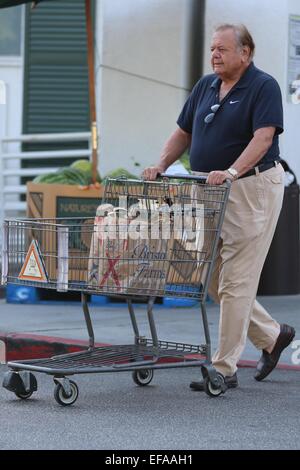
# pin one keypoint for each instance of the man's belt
(259, 169)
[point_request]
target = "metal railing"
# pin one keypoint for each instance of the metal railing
(11, 171)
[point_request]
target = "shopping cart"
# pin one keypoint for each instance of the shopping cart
(150, 239)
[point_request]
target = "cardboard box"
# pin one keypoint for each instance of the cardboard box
(51, 201)
(61, 200)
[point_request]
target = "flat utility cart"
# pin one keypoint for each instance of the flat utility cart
(149, 239)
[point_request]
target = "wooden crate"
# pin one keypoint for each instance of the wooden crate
(61, 200)
(53, 201)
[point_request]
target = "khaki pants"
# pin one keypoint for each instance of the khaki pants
(250, 220)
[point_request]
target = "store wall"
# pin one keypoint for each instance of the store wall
(11, 69)
(11, 76)
(146, 67)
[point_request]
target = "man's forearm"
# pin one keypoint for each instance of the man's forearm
(175, 146)
(254, 151)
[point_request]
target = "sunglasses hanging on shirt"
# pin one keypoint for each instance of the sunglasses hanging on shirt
(210, 117)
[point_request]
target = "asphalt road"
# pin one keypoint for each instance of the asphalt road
(113, 413)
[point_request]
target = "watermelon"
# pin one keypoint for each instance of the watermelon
(79, 173)
(66, 175)
(85, 166)
(121, 172)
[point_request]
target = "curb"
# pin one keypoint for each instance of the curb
(14, 346)
(22, 346)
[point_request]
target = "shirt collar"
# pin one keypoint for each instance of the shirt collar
(243, 82)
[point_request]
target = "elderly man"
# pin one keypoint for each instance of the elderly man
(231, 123)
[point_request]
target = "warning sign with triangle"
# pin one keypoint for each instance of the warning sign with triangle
(33, 268)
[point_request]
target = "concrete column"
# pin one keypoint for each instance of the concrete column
(149, 56)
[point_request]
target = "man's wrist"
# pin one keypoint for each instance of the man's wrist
(233, 173)
(160, 169)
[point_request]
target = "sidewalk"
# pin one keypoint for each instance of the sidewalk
(57, 328)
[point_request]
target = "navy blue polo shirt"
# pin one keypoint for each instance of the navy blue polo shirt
(254, 102)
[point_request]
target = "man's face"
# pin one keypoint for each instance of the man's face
(228, 59)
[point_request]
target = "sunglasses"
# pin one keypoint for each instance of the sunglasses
(210, 117)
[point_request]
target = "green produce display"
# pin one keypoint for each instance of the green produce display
(79, 174)
(119, 172)
(86, 167)
(185, 160)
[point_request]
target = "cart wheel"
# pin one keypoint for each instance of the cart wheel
(142, 377)
(24, 395)
(62, 398)
(17, 382)
(213, 392)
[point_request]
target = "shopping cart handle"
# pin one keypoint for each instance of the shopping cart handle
(183, 177)
(201, 179)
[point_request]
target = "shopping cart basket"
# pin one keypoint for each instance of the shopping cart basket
(149, 239)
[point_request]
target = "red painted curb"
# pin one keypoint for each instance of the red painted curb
(22, 346)
(28, 346)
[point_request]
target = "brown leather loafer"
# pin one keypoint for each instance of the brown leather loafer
(231, 382)
(268, 361)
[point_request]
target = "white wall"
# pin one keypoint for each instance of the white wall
(143, 77)
(268, 22)
(11, 73)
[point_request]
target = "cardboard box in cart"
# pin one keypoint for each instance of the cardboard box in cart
(51, 201)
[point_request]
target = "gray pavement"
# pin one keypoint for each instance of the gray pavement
(113, 413)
